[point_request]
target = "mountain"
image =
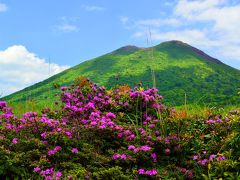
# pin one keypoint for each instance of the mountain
(177, 68)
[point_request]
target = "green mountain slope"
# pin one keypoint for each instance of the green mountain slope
(178, 68)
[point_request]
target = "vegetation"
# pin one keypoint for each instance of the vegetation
(179, 69)
(122, 133)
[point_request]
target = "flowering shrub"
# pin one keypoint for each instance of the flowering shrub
(121, 133)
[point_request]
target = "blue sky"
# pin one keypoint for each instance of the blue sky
(65, 33)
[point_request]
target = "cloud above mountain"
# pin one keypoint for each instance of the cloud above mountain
(211, 25)
(20, 68)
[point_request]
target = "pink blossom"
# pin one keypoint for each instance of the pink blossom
(111, 115)
(136, 150)
(15, 141)
(131, 147)
(44, 135)
(195, 157)
(119, 156)
(167, 140)
(47, 171)
(151, 172)
(44, 142)
(145, 148)
(48, 178)
(190, 174)
(57, 148)
(183, 170)
(123, 156)
(58, 174)
(74, 150)
(221, 158)
(93, 123)
(102, 126)
(151, 125)
(210, 121)
(58, 129)
(51, 152)
(37, 169)
(203, 162)
(116, 156)
(211, 157)
(141, 171)
(167, 150)
(154, 157)
(120, 135)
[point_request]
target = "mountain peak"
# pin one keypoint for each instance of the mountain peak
(126, 49)
(174, 42)
(181, 44)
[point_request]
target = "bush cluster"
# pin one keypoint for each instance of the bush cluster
(121, 133)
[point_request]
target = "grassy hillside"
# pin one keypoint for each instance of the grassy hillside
(178, 68)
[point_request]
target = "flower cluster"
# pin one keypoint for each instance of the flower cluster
(216, 120)
(120, 156)
(97, 133)
(55, 150)
(48, 174)
(203, 159)
(141, 148)
(151, 172)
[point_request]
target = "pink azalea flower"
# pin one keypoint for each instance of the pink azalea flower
(167, 150)
(145, 148)
(37, 169)
(211, 157)
(154, 157)
(221, 158)
(74, 150)
(123, 156)
(15, 141)
(141, 171)
(51, 152)
(58, 175)
(44, 135)
(195, 157)
(151, 172)
(131, 147)
(57, 148)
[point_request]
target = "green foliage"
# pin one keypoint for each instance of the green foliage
(112, 173)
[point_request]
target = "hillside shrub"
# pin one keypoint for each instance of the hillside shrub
(121, 133)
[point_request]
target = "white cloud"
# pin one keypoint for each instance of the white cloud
(3, 7)
(67, 28)
(148, 23)
(190, 9)
(231, 51)
(224, 18)
(210, 25)
(159, 22)
(191, 36)
(67, 24)
(168, 3)
(20, 68)
(92, 8)
(124, 19)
